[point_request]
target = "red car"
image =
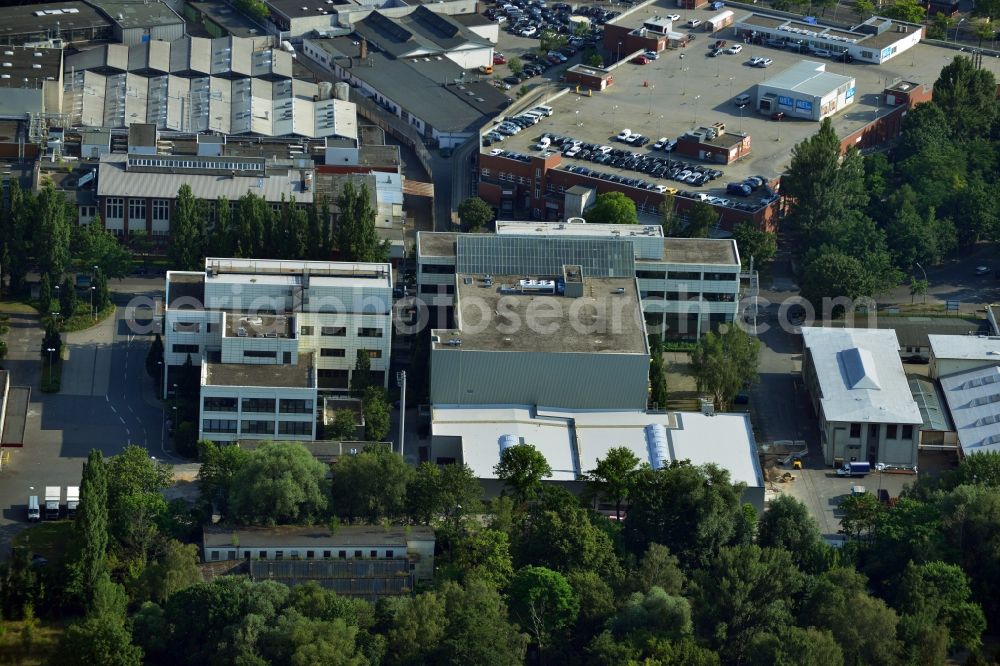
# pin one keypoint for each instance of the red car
(499, 59)
(777, 115)
(641, 60)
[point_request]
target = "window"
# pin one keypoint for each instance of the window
(649, 275)
(258, 427)
(114, 208)
(388, 554)
(161, 210)
(374, 554)
(306, 330)
(327, 554)
(184, 349)
(219, 426)
(437, 269)
(294, 554)
(295, 406)
(215, 555)
(310, 554)
(437, 289)
(365, 332)
(855, 430)
(294, 428)
(246, 554)
(279, 554)
(342, 554)
(257, 353)
(137, 209)
(907, 432)
(187, 327)
(374, 353)
(258, 405)
(333, 331)
(262, 554)
(682, 275)
(720, 276)
(331, 352)
(213, 404)
(358, 554)
(890, 431)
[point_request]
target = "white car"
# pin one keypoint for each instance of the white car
(652, 55)
(982, 270)
(674, 17)
(734, 49)
(694, 23)
(763, 62)
(605, 149)
(624, 134)
(529, 31)
(661, 143)
(495, 152)
(753, 62)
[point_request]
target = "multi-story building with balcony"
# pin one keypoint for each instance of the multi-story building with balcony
(272, 338)
(687, 285)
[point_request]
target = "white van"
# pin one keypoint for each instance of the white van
(547, 110)
(741, 100)
(33, 511)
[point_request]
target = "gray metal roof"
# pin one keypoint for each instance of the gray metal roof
(136, 14)
(421, 32)
(860, 375)
(543, 255)
(318, 536)
(39, 19)
(807, 77)
(974, 401)
(968, 347)
(930, 402)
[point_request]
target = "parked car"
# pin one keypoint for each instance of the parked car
(720, 43)
(982, 270)
(844, 57)
(499, 59)
(764, 62)
(652, 55)
(777, 115)
(641, 60)
(659, 145)
(674, 17)
(694, 23)
(734, 49)
(624, 134)
(714, 53)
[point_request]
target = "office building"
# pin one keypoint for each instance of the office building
(271, 337)
(805, 90)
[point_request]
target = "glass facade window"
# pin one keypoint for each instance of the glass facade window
(137, 209)
(294, 406)
(219, 426)
(257, 427)
(258, 405)
(114, 208)
(214, 404)
(331, 352)
(333, 331)
(294, 428)
(516, 255)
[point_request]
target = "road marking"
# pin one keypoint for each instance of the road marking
(122, 419)
(113, 408)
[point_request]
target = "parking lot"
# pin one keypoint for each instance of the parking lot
(674, 94)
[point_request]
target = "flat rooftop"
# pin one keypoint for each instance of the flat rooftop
(437, 243)
(241, 325)
(34, 64)
(807, 77)
(299, 375)
(185, 290)
(505, 317)
(720, 251)
(573, 441)
(138, 14)
(317, 535)
(967, 347)
(578, 229)
(26, 19)
(277, 271)
(227, 18)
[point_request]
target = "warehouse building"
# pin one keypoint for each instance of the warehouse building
(877, 40)
(861, 396)
(31, 82)
(687, 285)
(272, 336)
(951, 354)
(573, 441)
(805, 90)
(296, 19)
(138, 22)
(57, 23)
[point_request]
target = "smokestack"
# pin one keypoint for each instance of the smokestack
(363, 49)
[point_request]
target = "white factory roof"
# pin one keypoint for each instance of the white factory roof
(723, 439)
(974, 402)
(860, 375)
(578, 229)
(966, 347)
(807, 77)
(290, 273)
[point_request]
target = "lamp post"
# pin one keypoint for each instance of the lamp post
(926, 283)
(684, 88)
(92, 314)
(957, 26)
(401, 378)
(50, 350)
(696, 98)
(620, 51)
(614, 110)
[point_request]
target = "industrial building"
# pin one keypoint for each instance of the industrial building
(31, 81)
(876, 40)
(141, 22)
(573, 441)
(195, 84)
(805, 90)
(687, 285)
(296, 19)
(973, 398)
(54, 23)
(861, 396)
(951, 354)
(271, 337)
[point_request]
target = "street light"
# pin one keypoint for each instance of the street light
(957, 26)
(620, 52)
(93, 315)
(696, 98)
(50, 350)
(401, 378)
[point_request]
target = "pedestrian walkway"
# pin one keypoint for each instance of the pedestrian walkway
(87, 359)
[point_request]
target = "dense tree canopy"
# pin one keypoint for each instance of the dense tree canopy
(612, 208)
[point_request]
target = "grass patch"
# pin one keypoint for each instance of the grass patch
(678, 346)
(17, 307)
(15, 647)
(82, 320)
(51, 376)
(48, 538)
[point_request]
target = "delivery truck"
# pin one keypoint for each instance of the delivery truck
(53, 495)
(855, 469)
(72, 500)
(33, 512)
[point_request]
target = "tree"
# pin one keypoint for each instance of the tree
(522, 469)
(967, 98)
(102, 294)
(835, 275)
(175, 569)
(51, 340)
(612, 478)
(186, 231)
(96, 641)
(220, 466)
(795, 646)
(940, 593)
(361, 377)
(478, 630)
(344, 427)
(220, 241)
(864, 7)
(376, 413)
(516, 66)
(691, 510)
(753, 241)
(745, 591)
(109, 602)
(658, 568)
(905, 10)
(416, 627)
(861, 515)
(135, 500)
(67, 298)
(93, 245)
(724, 363)
(371, 485)
(51, 231)
(593, 59)
(301, 641)
(91, 524)
(612, 208)
(787, 525)
(658, 396)
(279, 484)
(542, 602)
(550, 40)
(474, 213)
(18, 227)
(357, 238)
(918, 288)
(655, 612)
(450, 490)
(701, 217)
(254, 9)
(482, 554)
(45, 295)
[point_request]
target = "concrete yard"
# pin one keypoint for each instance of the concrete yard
(672, 95)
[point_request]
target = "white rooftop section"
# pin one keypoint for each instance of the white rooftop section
(578, 229)
(289, 273)
(974, 402)
(966, 347)
(808, 78)
(860, 375)
(655, 438)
